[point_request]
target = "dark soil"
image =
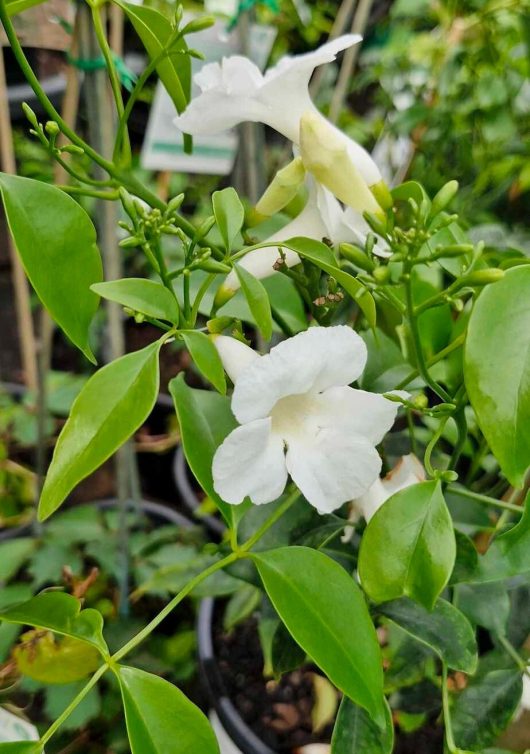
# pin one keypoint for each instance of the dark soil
(279, 712)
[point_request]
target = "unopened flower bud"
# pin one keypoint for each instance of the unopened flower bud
(283, 188)
(381, 275)
(198, 24)
(357, 256)
(444, 197)
(52, 129)
(218, 324)
(130, 243)
(212, 265)
(73, 149)
(30, 115)
(205, 227)
(129, 205)
(482, 277)
(174, 204)
(377, 222)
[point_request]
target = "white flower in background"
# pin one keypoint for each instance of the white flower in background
(524, 704)
(322, 217)
(299, 416)
(406, 472)
(235, 91)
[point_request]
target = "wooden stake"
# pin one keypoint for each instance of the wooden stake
(360, 21)
(20, 283)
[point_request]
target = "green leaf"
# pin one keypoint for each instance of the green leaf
(444, 629)
(205, 419)
(509, 553)
(17, 6)
(321, 605)
(21, 747)
(206, 358)
(322, 256)
(483, 710)
(409, 547)
(145, 296)
(13, 553)
(114, 403)
(154, 29)
(356, 733)
(160, 719)
(257, 299)
(497, 370)
(286, 654)
(486, 605)
(60, 613)
(56, 241)
(229, 215)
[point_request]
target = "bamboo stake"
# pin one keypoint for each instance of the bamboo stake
(338, 28)
(20, 283)
(360, 21)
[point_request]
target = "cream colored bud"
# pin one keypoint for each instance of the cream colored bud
(283, 189)
(325, 154)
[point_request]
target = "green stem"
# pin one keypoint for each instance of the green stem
(206, 283)
(112, 72)
(486, 499)
(449, 737)
(457, 343)
(82, 191)
(416, 342)
(278, 513)
(73, 704)
(163, 614)
(432, 444)
(510, 649)
(41, 95)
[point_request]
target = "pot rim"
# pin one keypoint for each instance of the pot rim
(237, 729)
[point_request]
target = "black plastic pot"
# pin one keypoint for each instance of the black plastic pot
(232, 722)
(188, 495)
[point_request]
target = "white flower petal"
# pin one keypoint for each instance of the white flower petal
(407, 471)
(235, 91)
(332, 467)
(366, 414)
(250, 463)
(228, 97)
(235, 355)
(311, 361)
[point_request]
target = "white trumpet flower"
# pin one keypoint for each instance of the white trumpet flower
(235, 91)
(299, 416)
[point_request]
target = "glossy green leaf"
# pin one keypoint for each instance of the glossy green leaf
(408, 548)
(145, 296)
(509, 553)
(257, 300)
(21, 747)
(322, 256)
(486, 605)
(17, 6)
(326, 613)
(356, 733)
(114, 403)
(205, 419)
(154, 29)
(206, 358)
(56, 241)
(484, 708)
(497, 370)
(229, 215)
(161, 719)
(444, 629)
(61, 613)
(286, 654)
